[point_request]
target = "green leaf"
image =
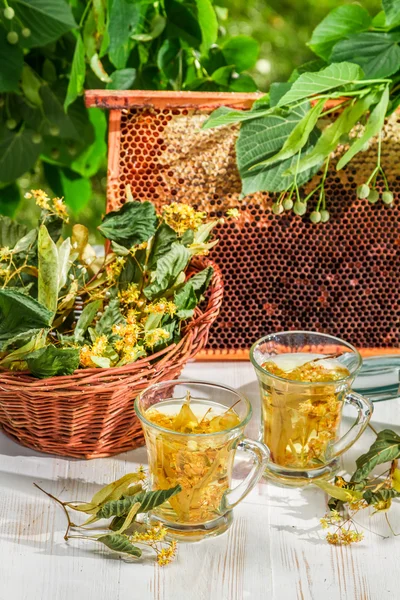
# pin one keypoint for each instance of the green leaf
(310, 66)
(36, 339)
(20, 313)
(98, 69)
(182, 23)
(122, 79)
(111, 316)
(330, 78)
(377, 53)
(392, 12)
(242, 83)
(298, 138)
(148, 501)
(169, 266)
(373, 127)
(385, 448)
(222, 75)
(86, 318)
(340, 22)
(11, 232)
(278, 90)
(64, 252)
(48, 270)
(94, 156)
(382, 495)
(262, 138)
(134, 223)
(208, 24)
(47, 19)
(241, 51)
(50, 361)
(186, 301)
(10, 197)
(18, 154)
(336, 492)
(227, 116)
(201, 280)
(125, 18)
(157, 27)
(169, 58)
(78, 71)
(120, 543)
(31, 85)
(76, 190)
(119, 508)
(26, 243)
(11, 61)
(164, 237)
(54, 110)
(99, 11)
(332, 134)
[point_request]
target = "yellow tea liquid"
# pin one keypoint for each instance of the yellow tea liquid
(300, 421)
(200, 464)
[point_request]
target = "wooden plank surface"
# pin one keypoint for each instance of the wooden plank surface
(275, 549)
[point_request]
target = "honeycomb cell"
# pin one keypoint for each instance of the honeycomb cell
(280, 272)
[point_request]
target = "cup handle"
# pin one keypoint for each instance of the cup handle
(365, 410)
(260, 457)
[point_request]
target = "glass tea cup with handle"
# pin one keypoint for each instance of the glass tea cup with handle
(193, 432)
(305, 379)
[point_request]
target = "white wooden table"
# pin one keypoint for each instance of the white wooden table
(274, 550)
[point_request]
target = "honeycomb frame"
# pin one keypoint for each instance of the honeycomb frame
(280, 272)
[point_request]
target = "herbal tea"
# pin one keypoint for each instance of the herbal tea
(201, 464)
(299, 421)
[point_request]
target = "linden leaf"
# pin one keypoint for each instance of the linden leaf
(120, 543)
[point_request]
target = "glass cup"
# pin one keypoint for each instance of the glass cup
(201, 463)
(300, 420)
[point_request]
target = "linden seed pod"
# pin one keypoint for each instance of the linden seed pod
(26, 32)
(315, 216)
(12, 37)
(54, 130)
(373, 197)
(288, 204)
(299, 208)
(325, 216)
(387, 197)
(8, 13)
(36, 138)
(363, 191)
(11, 123)
(277, 209)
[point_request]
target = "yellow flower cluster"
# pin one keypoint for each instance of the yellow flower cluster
(114, 269)
(233, 213)
(130, 294)
(129, 334)
(97, 349)
(155, 538)
(166, 555)
(162, 306)
(55, 206)
(154, 336)
(344, 537)
(181, 217)
(5, 253)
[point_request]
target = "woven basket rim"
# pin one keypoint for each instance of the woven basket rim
(114, 376)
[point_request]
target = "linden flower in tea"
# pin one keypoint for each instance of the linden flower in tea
(201, 465)
(300, 421)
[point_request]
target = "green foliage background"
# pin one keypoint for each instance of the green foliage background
(47, 137)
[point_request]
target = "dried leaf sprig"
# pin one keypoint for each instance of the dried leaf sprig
(364, 491)
(123, 501)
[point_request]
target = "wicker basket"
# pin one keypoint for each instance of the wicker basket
(90, 413)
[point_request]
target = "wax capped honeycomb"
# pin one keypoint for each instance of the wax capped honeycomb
(280, 272)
